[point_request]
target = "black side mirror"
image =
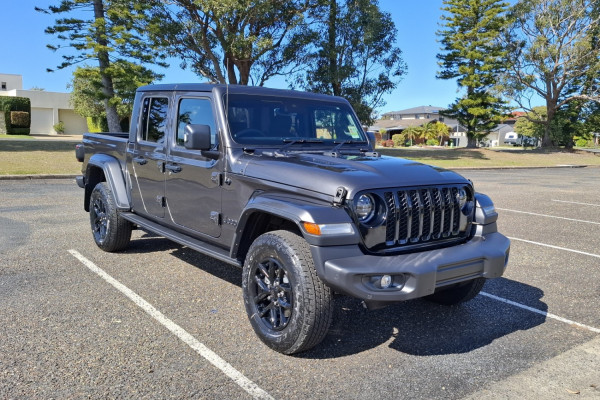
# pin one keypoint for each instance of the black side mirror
(197, 137)
(371, 137)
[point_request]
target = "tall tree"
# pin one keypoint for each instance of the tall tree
(230, 41)
(104, 30)
(87, 97)
(352, 54)
(472, 55)
(553, 55)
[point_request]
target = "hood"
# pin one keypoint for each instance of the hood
(324, 174)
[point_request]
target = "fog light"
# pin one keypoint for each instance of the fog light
(385, 282)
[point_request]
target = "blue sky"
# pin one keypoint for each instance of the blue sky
(24, 52)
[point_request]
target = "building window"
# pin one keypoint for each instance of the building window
(3, 85)
(417, 116)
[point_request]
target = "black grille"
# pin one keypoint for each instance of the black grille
(423, 215)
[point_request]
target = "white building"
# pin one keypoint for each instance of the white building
(47, 108)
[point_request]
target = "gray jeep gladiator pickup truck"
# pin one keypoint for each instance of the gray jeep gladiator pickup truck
(287, 186)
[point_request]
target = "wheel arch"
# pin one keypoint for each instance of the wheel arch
(265, 213)
(105, 168)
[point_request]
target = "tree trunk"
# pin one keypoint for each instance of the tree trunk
(104, 63)
(551, 111)
(336, 85)
(471, 142)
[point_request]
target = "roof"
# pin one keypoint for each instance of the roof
(237, 89)
(418, 110)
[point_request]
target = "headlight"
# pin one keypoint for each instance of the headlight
(461, 196)
(365, 207)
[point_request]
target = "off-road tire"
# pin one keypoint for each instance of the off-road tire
(458, 294)
(289, 307)
(111, 232)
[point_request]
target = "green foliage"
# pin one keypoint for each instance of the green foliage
(582, 142)
(472, 55)
(109, 31)
(432, 142)
(230, 41)
(399, 140)
(20, 108)
(59, 128)
(97, 124)
(351, 54)
(87, 97)
(554, 53)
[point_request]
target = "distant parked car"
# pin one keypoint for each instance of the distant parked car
(527, 141)
(511, 138)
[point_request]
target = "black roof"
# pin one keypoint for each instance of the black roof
(235, 89)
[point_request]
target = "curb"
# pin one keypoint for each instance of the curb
(30, 177)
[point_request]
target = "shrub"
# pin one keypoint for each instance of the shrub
(8, 105)
(398, 140)
(20, 119)
(432, 142)
(60, 127)
(581, 142)
(97, 124)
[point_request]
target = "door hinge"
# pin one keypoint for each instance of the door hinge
(162, 200)
(217, 178)
(215, 217)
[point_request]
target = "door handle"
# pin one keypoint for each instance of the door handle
(140, 160)
(174, 168)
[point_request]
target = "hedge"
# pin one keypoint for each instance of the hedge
(21, 107)
(97, 124)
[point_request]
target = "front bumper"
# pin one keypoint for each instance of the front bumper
(346, 269)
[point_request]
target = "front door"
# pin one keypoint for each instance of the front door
(149, 157)
(193, 181)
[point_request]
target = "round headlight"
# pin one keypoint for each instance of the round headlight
(461, 196)
(365, 207)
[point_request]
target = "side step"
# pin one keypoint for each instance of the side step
(198, 245)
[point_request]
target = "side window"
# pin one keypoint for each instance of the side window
(154, 119)
(195, 111)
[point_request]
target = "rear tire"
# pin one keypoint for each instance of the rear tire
(458, 294)
(111, 232)
(289, 307)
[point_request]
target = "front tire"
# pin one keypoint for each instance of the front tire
(111, 232)
(289, 307)
(458, 294)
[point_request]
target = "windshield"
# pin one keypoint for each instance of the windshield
(267, 120)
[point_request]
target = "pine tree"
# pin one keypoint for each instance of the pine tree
(107, 31)
(471, 55)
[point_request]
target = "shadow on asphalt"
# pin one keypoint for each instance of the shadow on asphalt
(415, 327)
(421, 328)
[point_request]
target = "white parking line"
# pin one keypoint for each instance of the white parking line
(556, 247)
(544, 313)
(576, 202)
(549, 216)
(245, 383)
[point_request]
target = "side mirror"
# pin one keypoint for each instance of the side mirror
(197, 137)
(371, 137)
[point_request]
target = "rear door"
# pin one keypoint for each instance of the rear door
(149, 156)
(193, 182)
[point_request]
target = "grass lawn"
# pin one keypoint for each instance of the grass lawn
(24, 157)
(495, 157)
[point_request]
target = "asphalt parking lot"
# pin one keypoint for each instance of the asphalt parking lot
(162, 321)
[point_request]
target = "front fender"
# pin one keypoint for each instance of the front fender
(113, 175)
(296, 210)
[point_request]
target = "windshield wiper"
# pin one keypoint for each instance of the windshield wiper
(335, 151)
(291, 142)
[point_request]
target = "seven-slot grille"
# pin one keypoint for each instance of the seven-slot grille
(420, 215)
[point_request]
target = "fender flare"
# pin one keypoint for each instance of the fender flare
(113, 175)
(297, 211)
